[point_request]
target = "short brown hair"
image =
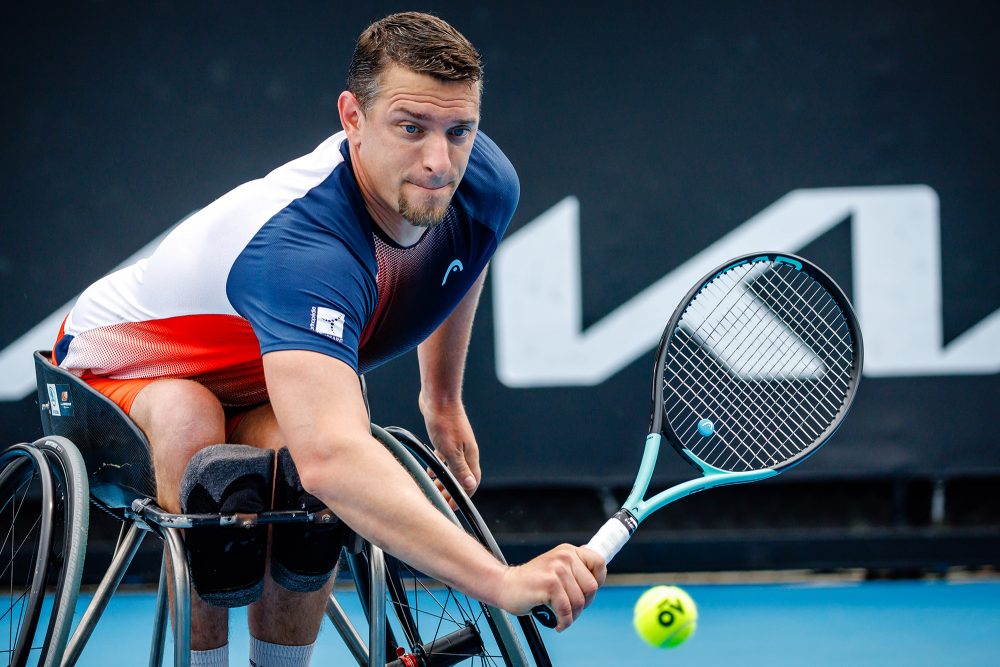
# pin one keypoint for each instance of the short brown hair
(419, 42)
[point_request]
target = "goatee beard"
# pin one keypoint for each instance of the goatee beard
(422, 217)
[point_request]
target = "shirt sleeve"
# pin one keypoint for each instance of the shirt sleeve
(303, 292)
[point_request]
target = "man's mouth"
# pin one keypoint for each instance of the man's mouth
(430, 188)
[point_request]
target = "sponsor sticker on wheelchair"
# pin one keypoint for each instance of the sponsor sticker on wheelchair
(60, 400)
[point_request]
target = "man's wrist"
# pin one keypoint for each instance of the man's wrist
(493, 584)
(440, 402)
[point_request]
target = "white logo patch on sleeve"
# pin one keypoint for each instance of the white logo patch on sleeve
(328, 322)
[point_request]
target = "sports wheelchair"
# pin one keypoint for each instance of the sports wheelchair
(93, 453)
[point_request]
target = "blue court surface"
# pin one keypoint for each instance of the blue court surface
(811, 623)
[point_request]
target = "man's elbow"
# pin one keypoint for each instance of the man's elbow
(312, 477)
(322, 467)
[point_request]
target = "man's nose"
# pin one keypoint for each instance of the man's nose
(437, 158)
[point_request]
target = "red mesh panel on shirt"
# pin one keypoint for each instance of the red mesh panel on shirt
(220, 351)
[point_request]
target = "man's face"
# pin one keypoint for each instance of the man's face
(413, 144)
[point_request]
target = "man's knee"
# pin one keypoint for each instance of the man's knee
(179, 418)
(179, 413)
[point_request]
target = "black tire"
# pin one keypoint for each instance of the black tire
(72, 512)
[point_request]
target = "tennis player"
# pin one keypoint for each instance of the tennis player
(253, 319)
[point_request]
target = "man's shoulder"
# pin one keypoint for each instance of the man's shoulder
(329, 210)
(490, 188)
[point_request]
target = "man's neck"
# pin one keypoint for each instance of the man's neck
(395, 226)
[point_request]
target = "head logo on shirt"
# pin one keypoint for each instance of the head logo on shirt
(456, 265)
(328, 322)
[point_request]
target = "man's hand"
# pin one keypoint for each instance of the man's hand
(566, 579)
(451, 434)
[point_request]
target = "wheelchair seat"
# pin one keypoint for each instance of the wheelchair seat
(116, 452)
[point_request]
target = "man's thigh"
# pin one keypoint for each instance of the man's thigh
(256, 427)
(180, 418)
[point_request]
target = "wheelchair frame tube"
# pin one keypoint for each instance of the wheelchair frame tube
(182, 597)
(160, 620)
(109, 584)
(376, 596)
(346, 629)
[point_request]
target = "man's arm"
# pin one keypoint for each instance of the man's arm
(442, 366)
(317, 401)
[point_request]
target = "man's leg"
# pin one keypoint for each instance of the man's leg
(180, 418)
(280, 616)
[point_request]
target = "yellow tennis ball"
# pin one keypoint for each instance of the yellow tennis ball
(665, 616)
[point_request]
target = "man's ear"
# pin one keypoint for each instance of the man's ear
(351, 115)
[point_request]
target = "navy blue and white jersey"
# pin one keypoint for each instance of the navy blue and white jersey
(291, 261)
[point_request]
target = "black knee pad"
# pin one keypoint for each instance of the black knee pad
(302, 555)
(227, 563)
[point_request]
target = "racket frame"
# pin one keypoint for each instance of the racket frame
(656, 422)
(610, 538)
(613, 535)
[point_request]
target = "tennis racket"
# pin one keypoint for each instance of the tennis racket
(755, 371)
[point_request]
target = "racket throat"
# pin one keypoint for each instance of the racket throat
(627, 519)
(650, 453)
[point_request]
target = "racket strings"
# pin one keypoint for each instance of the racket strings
(791, 367)
(791, 320)
(705, 406)
(768, 370)
(767, 367)
(830, 385)
(839, 363)
(765, 353)
(743, 319)
(740, 400)
(760, 427)
(802, 322)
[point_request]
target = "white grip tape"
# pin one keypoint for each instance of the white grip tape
(609, 539)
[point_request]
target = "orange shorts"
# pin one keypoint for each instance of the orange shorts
(123, 393)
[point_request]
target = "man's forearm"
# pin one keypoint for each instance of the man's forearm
(442, 356)
(368, 489)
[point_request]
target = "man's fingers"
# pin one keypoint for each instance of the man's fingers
(446, 495)
(462, 472)
(595, 563)
(472, 458)
(566, 579)
(578, 581)
(587, 579)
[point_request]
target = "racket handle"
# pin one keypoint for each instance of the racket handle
(607, 542)
(610, 539)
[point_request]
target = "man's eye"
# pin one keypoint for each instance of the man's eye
(461, 132)
(411, 129)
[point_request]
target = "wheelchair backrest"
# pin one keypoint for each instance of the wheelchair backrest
(115, 450)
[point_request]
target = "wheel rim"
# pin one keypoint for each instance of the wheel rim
(442, 626)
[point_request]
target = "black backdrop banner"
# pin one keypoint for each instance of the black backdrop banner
(649, 143)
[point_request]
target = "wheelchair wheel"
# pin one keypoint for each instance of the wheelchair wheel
(70, 544)
(473, 522)
(44, 528)
(27, 505)
(430, 623)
